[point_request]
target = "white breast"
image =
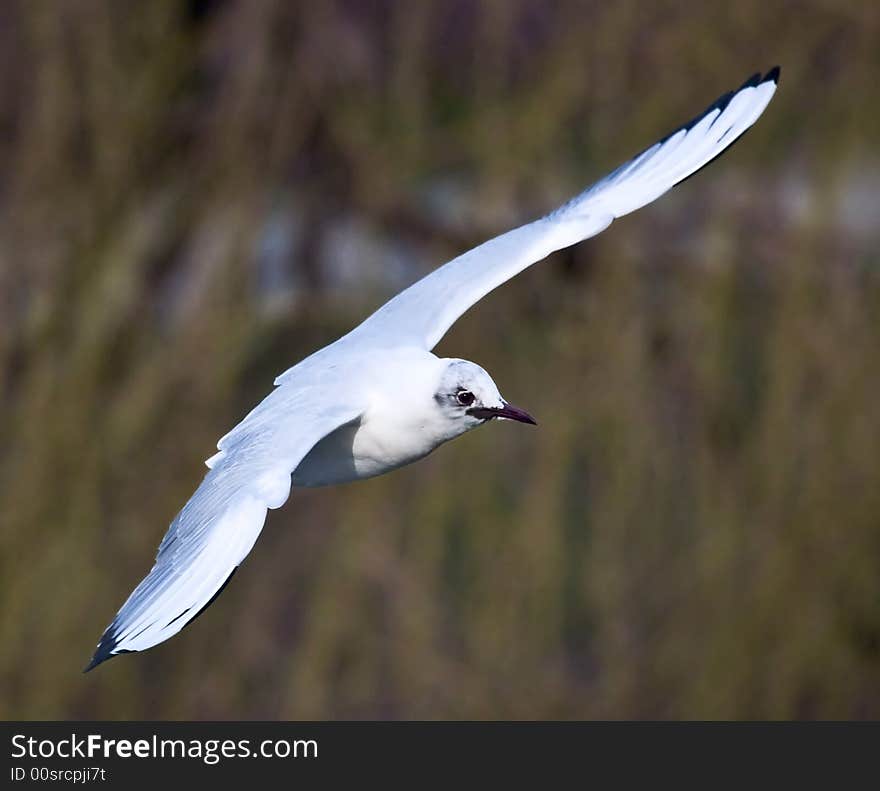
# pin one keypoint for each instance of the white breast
(402, 425)
(367, 449)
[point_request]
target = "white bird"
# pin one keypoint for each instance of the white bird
(377, 398)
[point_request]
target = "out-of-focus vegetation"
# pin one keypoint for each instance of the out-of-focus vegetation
(195, 195)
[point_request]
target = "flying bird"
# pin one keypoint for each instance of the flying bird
(377, 398)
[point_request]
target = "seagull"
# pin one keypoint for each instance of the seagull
(378, 398)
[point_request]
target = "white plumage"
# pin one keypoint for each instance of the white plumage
(377, 398)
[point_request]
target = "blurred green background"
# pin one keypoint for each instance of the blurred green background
(195, 195)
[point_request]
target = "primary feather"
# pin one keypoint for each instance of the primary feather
(424, 312)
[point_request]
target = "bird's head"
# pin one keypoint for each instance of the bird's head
(467, 395)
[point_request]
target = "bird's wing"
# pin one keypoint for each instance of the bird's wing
(423, 313)
(219, 525)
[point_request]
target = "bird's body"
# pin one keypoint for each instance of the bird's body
(378, 398)
(387, 435)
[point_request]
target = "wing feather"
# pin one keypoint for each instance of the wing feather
(422, 314)
(219, 525)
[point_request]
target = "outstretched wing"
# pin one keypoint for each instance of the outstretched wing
(218, 526)
(426, 310)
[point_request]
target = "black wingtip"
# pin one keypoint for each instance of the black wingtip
(721, 104)
(722, 101)
(756, 79)
(104, 651)
(107, 646)
(772, 75)
(97, 659)
(752, 82)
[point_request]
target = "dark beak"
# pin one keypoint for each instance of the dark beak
(508, 411)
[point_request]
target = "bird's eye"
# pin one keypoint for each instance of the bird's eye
(465, 397)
